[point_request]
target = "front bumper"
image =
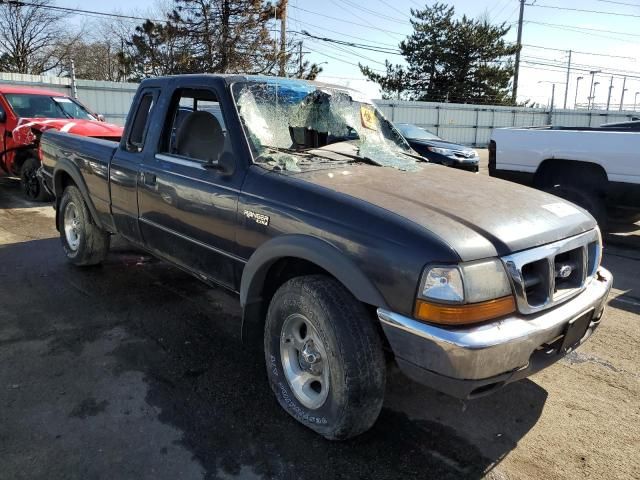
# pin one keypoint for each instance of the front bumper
(470, 165)
(479, 359)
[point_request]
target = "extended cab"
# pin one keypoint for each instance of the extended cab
(24, 114)
(596, 168)
(343, 244)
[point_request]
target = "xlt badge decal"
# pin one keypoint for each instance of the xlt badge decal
(257, 217)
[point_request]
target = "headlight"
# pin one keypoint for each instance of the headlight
(442, 151)
(466, 293)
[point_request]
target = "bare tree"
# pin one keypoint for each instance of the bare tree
(32, 38)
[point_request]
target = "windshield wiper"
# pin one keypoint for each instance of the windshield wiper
(356, 158)
(64, 112)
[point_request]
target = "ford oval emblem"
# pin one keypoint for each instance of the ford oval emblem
(565, 271)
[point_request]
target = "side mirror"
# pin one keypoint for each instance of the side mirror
(100, 117)
(226, 164)
(3, 116)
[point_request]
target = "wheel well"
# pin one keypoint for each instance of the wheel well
(21, 156)
(280, 272)
(555, 171)
(62, 181)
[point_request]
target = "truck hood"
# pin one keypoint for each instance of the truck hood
(478, 216)
(23, 133)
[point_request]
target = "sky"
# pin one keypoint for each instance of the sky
(604, 39)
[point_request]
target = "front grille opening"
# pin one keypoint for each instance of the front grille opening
(592, 252)
(535, 276)
(568, 271)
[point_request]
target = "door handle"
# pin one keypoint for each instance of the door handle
(148, 179)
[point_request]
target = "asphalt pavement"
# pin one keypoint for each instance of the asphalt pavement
(135, 370)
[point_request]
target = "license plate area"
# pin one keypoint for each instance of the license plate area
(576, 329)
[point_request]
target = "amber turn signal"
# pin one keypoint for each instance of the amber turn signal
(464, 314)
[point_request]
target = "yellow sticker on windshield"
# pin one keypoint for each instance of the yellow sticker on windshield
(368, 117)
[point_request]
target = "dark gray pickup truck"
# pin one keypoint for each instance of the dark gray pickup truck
(347, 250)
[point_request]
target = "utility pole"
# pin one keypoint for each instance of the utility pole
(593, 101)
(283, 38)
(516, 72)
(609, 96)
(575, 101)
(635, 101)
(566, 85)
(624, 84)
(593, 75)
(74, 85)
(300, 67)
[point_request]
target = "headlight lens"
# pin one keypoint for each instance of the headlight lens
(466, 293)
(485, 280)
(442, 151)
(443, 283)
(466, 283)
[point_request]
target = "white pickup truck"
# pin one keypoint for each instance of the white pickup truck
(596, 168)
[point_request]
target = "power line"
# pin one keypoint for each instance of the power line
(576, 51)
(341, 59)
(620, 3)
(374, 12)
(362, 46)
(357, 16)
(352, 53)
(600, 12)
(394, 8)
(588, 29)
(346, 35)
(79, 11)
(347, 21)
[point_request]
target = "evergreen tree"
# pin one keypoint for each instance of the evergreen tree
(211, 36)
(449, 59)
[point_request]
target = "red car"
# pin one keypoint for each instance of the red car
(24, 114)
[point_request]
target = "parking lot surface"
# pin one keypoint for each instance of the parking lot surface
(135, 370)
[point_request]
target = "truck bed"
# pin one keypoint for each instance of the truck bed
(91, 157)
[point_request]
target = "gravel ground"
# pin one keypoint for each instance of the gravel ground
(135, 370)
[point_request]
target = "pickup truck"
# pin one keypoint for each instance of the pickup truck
(347, 249)
(27, 112)
(596, 168)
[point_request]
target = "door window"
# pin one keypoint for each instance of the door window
(195, 127)
(135, 142)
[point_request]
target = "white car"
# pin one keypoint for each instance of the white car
(596, 168)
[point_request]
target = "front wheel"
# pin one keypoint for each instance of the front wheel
(31, 185)
(324, 357)
(84, 243)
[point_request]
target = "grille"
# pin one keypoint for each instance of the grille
(546, 276)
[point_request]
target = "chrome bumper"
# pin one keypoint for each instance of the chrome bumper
(460, 361)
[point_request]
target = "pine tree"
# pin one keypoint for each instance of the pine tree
(448, 59)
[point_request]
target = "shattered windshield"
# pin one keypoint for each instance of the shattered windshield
(291, 124)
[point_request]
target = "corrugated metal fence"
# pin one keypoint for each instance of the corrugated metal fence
(472, 124)
(111, 99)
(461, 123)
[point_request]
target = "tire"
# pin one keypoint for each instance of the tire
(32, 186)
(84, 243)
(337, 354)
(590, 201)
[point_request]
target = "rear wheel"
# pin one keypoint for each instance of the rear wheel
(324, 357)
(31, 184)
(84, 243)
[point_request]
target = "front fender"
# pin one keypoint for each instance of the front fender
(304, 247)
(311, 249)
